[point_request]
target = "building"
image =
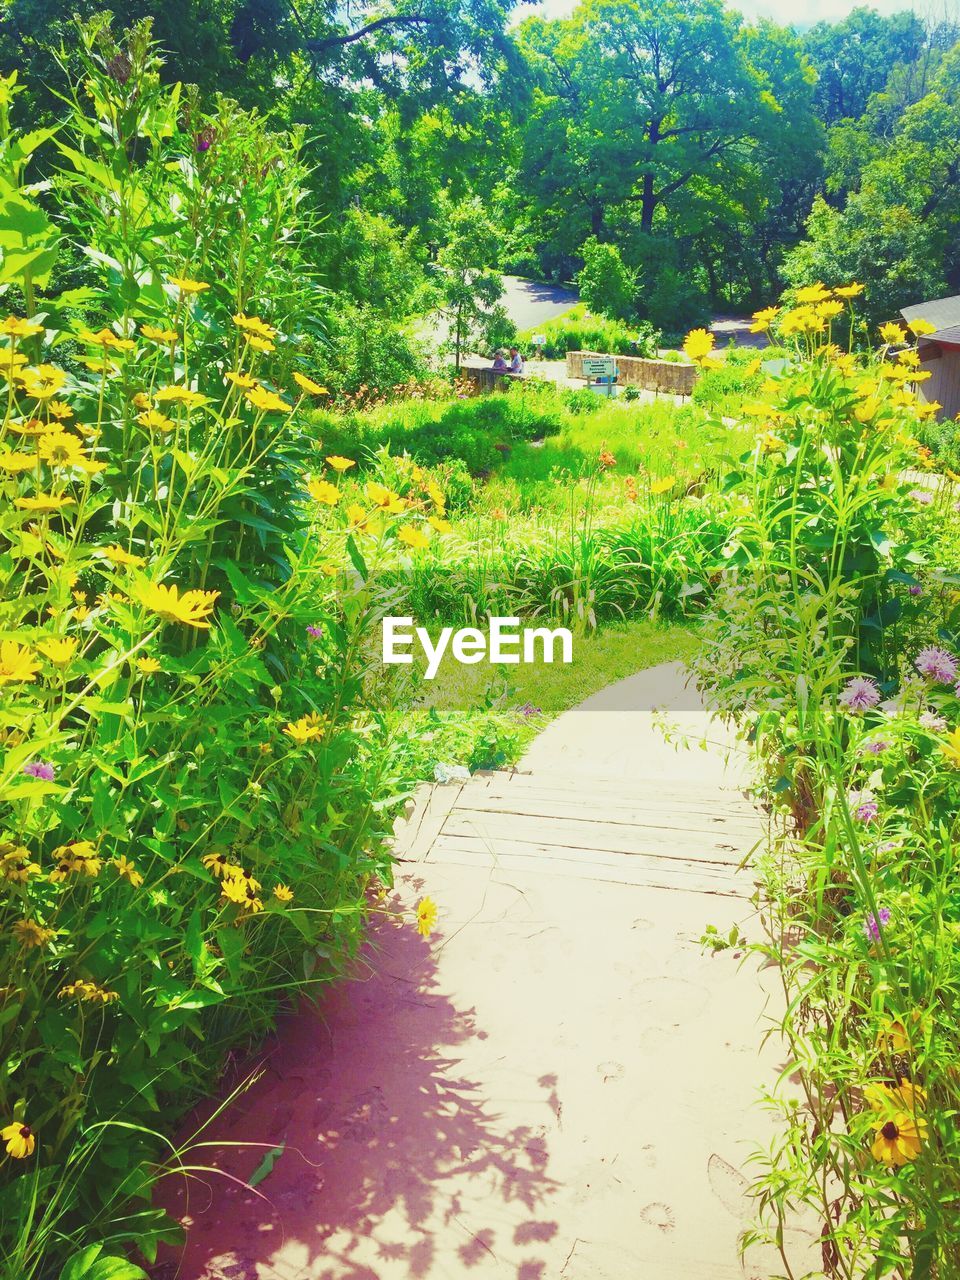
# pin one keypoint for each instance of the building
(940, 352)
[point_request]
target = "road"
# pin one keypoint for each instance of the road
(529, 304)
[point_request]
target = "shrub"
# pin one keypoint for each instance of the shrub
(606, 284)
(579, 331)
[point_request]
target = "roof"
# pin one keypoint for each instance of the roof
(943, 312)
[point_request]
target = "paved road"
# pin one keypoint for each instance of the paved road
(529, 303)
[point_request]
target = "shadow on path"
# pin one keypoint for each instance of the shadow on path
(383, 1132)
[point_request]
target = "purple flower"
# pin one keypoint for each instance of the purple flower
(41, 769)
(936, 664)
(871, 927)
(860, 694)
(923, 496)
(867, 812)
(876, 748)
(314, 632)
(915, 590)
(930, 720)
(528, 709)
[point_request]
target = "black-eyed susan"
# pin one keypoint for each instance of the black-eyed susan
(217, 862)
(899, 1138)
(18, 1139)
(193, 608)
(127, 870)
(31, 934)
(18, 865)
(283, 893)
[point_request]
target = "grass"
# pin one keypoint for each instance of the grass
(599, 659)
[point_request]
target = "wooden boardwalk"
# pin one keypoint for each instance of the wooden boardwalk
(560, 1084)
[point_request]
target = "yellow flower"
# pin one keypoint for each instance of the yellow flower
(17, 664)
(261, 344)
(61, 449)
(340, 464)
(30, 934)
(15, 462)
(107, 338)
(813, 293)
(148, 666)
(242, 891)
(19, 1140)
(15, 327)
(116, 555)
(253, 324)
(441, 526)
(282, 893)
(43, 382)
(60, 410)
(11, 361)
(44, 502)
(87, 991)
(268, 401)
(894, 1035)
(183, 395)
(185, 285)
(662, 485)
(192, 608)
(414, 538)
(426, 917)
(849, 290)
(698, 344)
(158, 335)
(385, 498)
(950, 748)
(306, 729)
(762, 320)
(30, 427)
(18, 865)
(217, 862)
(240, 379)
(893, 334)
(324, 491)
(830, 309)
(79, 857)
(60, 651)
(155, 421)
(921, 328)
(308, 385)
(437, 497)
(128, 871)
(898, 1139)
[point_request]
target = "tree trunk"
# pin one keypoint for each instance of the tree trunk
(648, 203)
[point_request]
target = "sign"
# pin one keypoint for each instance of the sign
(599, 366)
(539, 340)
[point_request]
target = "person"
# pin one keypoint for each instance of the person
(499, 363)
(516, 362)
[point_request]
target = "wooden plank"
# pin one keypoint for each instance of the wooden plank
(637, 870)
(570, 833)
(649, 793)
(743, 824)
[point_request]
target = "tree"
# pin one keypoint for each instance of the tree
(854, 57)
(606, 284)
(469, 288)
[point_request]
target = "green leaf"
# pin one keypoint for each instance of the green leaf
(265, 1167)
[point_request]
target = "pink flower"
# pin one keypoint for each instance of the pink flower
(860, 694)
(41, 769)
(936, 664)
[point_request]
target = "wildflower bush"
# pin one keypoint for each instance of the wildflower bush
(194, 788)
(833, 641)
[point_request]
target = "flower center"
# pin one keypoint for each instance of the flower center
(890, 1131)
(24, 1131)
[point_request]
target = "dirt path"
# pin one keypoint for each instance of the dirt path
(559, 1084)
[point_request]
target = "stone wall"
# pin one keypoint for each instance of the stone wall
(652, 375)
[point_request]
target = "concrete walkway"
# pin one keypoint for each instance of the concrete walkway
(560, 1084)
